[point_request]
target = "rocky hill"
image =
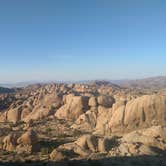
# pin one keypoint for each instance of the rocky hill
(84, 123)
(147, 83)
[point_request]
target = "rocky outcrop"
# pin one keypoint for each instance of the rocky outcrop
(93, 102)
(3, 116)
(38, 113)
(57, 155)
(88, 144)
(145, 111)
(105, 101)
(26, 143)
(10, 142)
(102, 123)
(28, 138)
(116, 122)
(74, 106)
(14, 115)
(142, 112)
(87, 121)
(149, 141)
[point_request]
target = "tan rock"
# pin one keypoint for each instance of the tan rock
(57, 155)
(28, 138)
(28, 142)
(146, 150)
(24, 149)
(92, 102)
(103, 118)
(10, 142)
(80, 151)
(88, 142)
(74, 107)
(155, 132)
(144, 111)
(82, 142)
(118, 103)
(38, 113)
(116, 122)
(3, 117)
(144, 138)
(25, 112)
(86, 121)
(14, 115)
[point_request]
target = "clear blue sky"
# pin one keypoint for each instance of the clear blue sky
(81, 39)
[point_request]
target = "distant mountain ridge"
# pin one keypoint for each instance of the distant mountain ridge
(147, 83)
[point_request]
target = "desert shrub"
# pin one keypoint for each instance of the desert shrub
(45, 151)
(114, 141)
(77, 133)
(46, 147)
(62, 135)
(52, 108)
(48, 130)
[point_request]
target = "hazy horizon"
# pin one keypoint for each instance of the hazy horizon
(81, 40)
(28, 82)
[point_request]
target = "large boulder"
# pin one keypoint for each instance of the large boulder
(14, 115)
(80, 151)
(145, 111)
(142, 112)
(24, 149)
(28, 138)
(3, 116)
(57, 155)
(28, 142)
(45, 104)
(38, 113)
(73, 108)
(149, 141)
(119, 103)
(53, 99)
(155, 132)
(10, 142)
(153, 136)
(87, 121)
(116, 122)
(25, 112)
(102, 123)
(88, 142)
(92, 102)
(105, 101)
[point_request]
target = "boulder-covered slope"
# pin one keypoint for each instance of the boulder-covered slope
(91, 120)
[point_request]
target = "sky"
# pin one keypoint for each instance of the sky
(47, 40)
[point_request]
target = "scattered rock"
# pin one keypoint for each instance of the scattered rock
(57, 156)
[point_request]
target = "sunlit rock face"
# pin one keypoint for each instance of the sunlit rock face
(145, 111)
